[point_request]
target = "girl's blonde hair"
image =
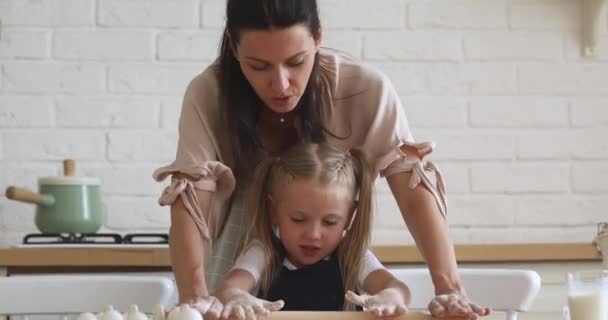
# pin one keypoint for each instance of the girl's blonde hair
(317, 163)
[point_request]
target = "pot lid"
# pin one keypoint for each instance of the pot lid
(89, 181)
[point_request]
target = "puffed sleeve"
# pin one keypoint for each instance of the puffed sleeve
(252, 260)
(198, 164)
(402, 153)
(369, 264)
(390, 141)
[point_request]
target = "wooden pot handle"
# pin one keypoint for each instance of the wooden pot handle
(24, 195)
(69, 166)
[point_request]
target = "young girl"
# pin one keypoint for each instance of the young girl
(311, 212)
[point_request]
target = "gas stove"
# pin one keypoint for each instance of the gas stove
(95, 240)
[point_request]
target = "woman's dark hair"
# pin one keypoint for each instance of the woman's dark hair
(240, 103)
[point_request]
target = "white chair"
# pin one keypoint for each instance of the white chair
(74, 294)
(507, 290)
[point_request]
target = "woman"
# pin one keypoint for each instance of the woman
(272, 87)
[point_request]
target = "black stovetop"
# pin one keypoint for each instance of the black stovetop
(96, 238)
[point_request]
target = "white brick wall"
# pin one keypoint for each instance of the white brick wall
(103, 45)
(519, 117)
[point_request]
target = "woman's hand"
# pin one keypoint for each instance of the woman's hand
(386, 303)
(210, 307)
(241, 305)
(456, 305)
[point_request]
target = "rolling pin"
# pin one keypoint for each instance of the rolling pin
(342, 315)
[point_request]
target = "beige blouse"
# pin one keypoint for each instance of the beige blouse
(359, 103)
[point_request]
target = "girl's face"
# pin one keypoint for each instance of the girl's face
(311, 219)
(278, 63)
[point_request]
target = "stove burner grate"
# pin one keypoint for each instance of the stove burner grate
(96, 238)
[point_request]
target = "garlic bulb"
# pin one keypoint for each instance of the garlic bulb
(159, 313)
(86, 316)
(184, 312)
(110, 314)
(134, 314)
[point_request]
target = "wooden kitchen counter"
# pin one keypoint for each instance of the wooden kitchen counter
(158, 258)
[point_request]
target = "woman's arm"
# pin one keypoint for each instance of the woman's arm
(186, 248)
(428, 226)
(429, 229)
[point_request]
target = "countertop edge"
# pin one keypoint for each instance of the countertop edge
(388, 254)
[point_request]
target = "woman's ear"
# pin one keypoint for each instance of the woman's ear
(319, 38)
(231, 43)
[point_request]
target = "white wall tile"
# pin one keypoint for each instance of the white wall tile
(148, 13)
(103, 45)
(49, 77)
(458, 14)
(107, 112)
(47, 13)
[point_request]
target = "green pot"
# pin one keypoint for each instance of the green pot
(65, 204)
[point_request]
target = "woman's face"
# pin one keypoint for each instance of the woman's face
(278, 63)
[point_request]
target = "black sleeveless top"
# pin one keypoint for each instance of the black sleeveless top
(316, 287)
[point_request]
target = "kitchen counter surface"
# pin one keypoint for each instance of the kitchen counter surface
(398, 254)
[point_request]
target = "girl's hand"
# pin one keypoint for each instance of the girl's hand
(456, 305)
(386, 303)
(242, 305)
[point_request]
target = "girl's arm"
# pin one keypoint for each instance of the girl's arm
(235, 290)
(246, 271)
(381, 279)
(385, 296)
(238, 279)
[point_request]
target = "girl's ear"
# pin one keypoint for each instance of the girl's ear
(351, 218)
(352, 214)
(271, 204)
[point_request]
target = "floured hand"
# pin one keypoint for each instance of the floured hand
(386, 303)
(456, 305)
(210, 307)
(242, 305)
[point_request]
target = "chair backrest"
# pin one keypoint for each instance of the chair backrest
(71, 294)
(508, 290)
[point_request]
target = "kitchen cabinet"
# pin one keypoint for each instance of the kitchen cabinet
(551, 261)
